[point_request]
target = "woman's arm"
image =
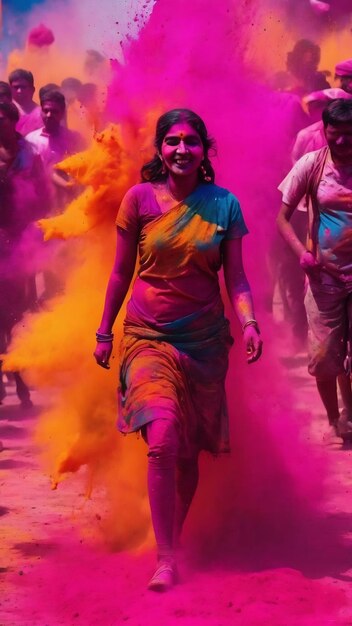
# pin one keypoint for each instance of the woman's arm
(306, 258)
(119, 282)
(239, 292)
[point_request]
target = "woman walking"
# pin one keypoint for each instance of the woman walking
(174, 351)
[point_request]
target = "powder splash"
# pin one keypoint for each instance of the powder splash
(210, 76)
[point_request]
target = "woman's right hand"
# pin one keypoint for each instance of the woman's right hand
(102, 353)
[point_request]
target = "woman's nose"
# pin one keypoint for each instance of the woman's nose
(182, 147)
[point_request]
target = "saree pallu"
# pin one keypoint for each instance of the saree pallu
(178, 373)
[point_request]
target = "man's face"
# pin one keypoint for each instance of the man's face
(22, 91)
(52, 115)
(7, 126)
(5, 97)
(339, 139)
(346, 83)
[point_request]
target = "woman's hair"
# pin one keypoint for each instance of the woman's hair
(153, 170)
(338, 112)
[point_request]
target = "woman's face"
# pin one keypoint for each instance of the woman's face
(182, 150)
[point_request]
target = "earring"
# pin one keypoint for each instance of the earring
(204, 174)
(163, 168)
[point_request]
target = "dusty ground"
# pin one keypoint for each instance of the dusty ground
(54, 574)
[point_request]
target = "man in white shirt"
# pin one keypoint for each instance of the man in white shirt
(54, 142)
(22, 88)
(325, 176)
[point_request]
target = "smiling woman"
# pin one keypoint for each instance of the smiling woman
(174, 353)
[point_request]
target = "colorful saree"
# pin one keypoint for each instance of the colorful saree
(174, 353)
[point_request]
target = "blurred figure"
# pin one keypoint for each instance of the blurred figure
(343, 72)
(82, 108)
(53, 142)
(91, 114)
(22, 88)
(5, 92)
(313, 137)
(302, 75)
(71, 88)
(21, 202)
(97, 69)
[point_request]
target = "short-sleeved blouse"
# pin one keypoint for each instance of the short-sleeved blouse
(166, 290)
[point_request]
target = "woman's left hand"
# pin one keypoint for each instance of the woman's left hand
(253, 343)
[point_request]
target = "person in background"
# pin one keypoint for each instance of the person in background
(70, 87)
(325, 178)
(22, 88)
(53, 142)
(312, 137)
(343, 73)
(90, 109)
(302, 75)
(5, 92)
(22, 201)
(97, 69)
(74, 118)
(291, 277)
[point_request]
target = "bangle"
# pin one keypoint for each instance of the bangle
(251, 323)
(104, 337)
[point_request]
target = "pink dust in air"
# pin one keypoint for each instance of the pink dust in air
(194, 63)
(267, 494)
(41, 36)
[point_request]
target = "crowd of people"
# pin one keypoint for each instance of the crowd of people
(174, 352)
(33, 139)
(313, 271)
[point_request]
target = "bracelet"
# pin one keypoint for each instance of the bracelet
(104, 337)
(251, 323)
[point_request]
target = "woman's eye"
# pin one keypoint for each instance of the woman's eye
(172, 141)
(188, 141)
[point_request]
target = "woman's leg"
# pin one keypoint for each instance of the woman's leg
(163, 442)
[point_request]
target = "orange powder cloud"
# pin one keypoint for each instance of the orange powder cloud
(55, 346)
